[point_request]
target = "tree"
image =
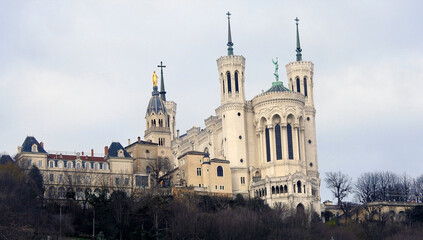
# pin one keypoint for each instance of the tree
(418, 189)
(159, 170)
(340, 185)
(38, 180)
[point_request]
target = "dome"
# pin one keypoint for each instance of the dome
(278, 87)
(156, 104)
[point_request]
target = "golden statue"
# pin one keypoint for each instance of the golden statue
(154, 79)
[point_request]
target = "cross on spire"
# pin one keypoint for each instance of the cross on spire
(230, 44)
(299, 55)
(162, 87)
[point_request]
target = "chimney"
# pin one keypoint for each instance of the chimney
(42, 144)
(106, 150)
(129, 141)
(92, 152)
(82, 153)
(139, 139)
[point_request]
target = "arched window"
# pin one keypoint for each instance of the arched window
(236, 82)
(273, 190)
(278, 141)
(228, 77)
(61, 192)
(51, 164)
(285, 189)
(87, 165)
(96, 166)
(267, 144)
(289, 136)
(51, 192)
(305, 86)
(79, 194)
(277, 189)
(147, 154)
(69, 164)
(220, 171)
(298, 85)
(299, 186)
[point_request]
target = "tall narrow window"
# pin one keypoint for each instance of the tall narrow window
(299, 186)
(290, 149)
(278, 141)
(228, 77)
(223, 85)
(267, 144)
(305, 86)
(168, 121)
(236, 82)
(298, 85)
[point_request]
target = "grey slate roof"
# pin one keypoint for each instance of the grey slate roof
(114, 148)
(156, 104)
(27, 145)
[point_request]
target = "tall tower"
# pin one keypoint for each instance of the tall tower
(300, 75)
(232, 111)
(169, 105)
(157, 122)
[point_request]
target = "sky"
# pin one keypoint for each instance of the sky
(77, 74)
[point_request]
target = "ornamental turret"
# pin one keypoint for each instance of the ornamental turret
(157, 121)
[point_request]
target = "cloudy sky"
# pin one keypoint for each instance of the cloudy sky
(77, 74)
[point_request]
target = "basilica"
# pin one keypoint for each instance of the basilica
(263, 147)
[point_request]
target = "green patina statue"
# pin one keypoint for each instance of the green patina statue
(276, 69)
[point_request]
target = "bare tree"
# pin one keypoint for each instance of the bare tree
(159, 170)
(418, 189)
(341, 186)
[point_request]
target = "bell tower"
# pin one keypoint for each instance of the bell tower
(300, 74)
(157, 125)
(232, 112)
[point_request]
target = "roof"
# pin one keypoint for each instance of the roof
(216, 160)
(278, 86)
(5, 159)
(114, 148)
(156, 104)
(141, 142)
(191, 153)
(29, 142)
(74, 157)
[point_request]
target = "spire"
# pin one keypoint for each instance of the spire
(230, 44)
(299, 55)
(162, 87)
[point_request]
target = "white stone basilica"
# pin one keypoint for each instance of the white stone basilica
(270, 141)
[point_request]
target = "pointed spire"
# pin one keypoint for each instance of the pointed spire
(230, 44)
(162, 87)
(299, 55)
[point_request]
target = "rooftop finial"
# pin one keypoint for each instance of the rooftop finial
(299, 55)
(162, 87)
(230, 44)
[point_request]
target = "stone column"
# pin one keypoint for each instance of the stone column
(284, 138)
(295, 141)
(271, 142)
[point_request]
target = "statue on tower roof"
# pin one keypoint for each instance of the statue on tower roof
(276, 69)
(154, 79)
